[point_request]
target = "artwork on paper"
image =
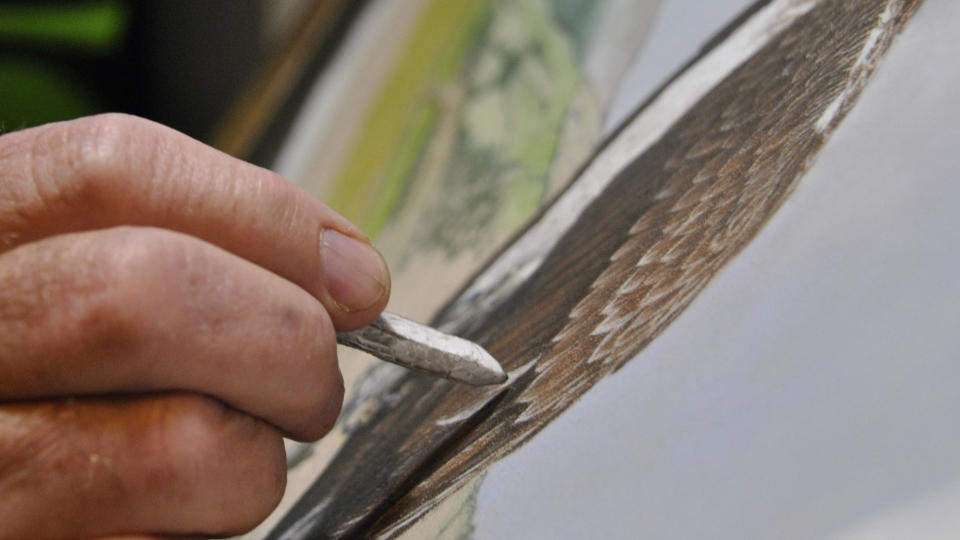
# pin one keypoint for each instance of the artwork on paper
(482, 115)
(441, 128)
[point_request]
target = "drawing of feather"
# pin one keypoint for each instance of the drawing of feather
(671, 197)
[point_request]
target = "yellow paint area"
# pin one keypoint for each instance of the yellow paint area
(401, 117)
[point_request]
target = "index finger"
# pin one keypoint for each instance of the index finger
(112, 170)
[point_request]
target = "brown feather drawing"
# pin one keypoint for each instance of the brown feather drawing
(636, 256)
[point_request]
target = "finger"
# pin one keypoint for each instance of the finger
(113, 170)
(164, 465)
(136, 309)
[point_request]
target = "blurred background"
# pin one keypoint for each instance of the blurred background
(184, 63)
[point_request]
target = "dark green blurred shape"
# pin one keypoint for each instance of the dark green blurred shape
(39, 42)
(96, 26)
(33, 94)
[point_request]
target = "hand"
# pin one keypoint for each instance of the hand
(166, 314)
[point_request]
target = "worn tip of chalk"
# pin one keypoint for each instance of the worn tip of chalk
(416, 346)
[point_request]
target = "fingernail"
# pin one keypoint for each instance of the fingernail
(354, 273)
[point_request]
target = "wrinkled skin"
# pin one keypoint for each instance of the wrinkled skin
(167, 314)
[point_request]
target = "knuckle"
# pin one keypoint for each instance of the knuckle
(105, 323)
(241, 458)
(90, 289)
(142, 254)
(136, 267)
(98, 146)
(195, 426)
(123, 258)
(84, 161)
